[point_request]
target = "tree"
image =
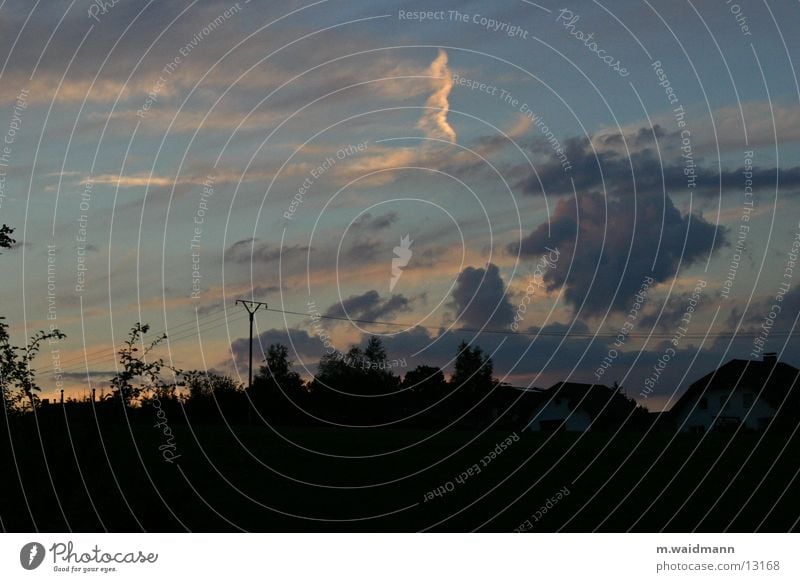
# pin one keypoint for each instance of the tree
(278, 391)
(17, 376)
(472, 368)
(138, 375)
(202, 385)
(6, 242)
(342, 371)
(210, 395)
(278, 368)
(375, 353)
(379, 377)
(425, 389)
(357, 386)
(471, 383)
(425, 380)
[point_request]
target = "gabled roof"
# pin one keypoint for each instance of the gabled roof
(595, 399)
(777, 378)
(523, 400)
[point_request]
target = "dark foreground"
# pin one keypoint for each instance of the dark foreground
(246, 477)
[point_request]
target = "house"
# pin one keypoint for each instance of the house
(573, 406)
(742, 393)
(511, 407)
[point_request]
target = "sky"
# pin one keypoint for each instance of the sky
(590, 192)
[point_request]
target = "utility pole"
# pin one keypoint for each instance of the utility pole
(251, 307)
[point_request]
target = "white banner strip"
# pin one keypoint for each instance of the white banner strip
(400, 557)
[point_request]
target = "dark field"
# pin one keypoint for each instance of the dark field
(249, 478)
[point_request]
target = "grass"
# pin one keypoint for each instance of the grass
(251, 478)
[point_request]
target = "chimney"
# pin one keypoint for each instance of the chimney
(770, 358)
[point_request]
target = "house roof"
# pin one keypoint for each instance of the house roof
(776, 378)
(523, 400)
(595, 399)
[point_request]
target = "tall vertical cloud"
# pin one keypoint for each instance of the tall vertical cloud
(434, 121)
(479, 298)
(612, 243)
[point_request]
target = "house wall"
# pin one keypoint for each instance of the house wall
(697, 418)
(557, 409)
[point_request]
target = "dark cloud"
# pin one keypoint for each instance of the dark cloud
(603, 170)
(608, 246)
(303, 347)
(758, 310)
(370, 306)
(365, 251)
(257, 251)
(206, 309)
(664, 317)
(644, 172)
(561, 352)
(430, 256)
(479, 298)
(367, 221)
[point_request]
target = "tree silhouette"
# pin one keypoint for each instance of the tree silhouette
(201, 385)
(6, 242)
(425, 379)
(342, 371)
(278, 391)
(139, 376)
(210, 394)
(375, 352)
(425, 388)
(379, 375)
(471, 383)
(278, 368)
(472, 368)
(17, 376)
(358, 385)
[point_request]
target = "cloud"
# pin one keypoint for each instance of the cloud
(50, 86)
(304, 347)
(479, 298)
(609, 245)
(760, 308)
(665, 317)
(375, 223)
(133, 180)
(369, 306)
(434, 121)
(365, 252)
(727, 132)
(601, 163)
(560, 353)
(253, 250)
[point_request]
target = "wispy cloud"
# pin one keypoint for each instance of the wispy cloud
(434, 121)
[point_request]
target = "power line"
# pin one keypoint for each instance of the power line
(251, 307)
(218, 318)
(105, 351)
(565, 333)
(109, 353)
